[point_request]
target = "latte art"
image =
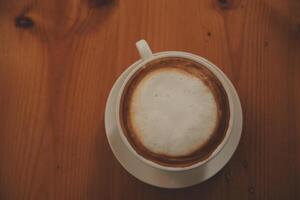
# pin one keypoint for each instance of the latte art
(174, 112)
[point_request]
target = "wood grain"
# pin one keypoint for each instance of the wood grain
(59, 60)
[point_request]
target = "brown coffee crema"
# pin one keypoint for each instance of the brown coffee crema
(196, 70)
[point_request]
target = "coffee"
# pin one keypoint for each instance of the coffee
(174, 112)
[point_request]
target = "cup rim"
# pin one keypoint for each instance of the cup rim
(210, 66)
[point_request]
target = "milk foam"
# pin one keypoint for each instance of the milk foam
(173, 113)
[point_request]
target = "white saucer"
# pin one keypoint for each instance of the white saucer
(161, 178)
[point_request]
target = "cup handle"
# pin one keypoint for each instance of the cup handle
(144, 49)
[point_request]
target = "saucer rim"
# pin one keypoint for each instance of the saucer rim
(110, 108)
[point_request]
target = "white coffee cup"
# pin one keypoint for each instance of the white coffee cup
(146, 57)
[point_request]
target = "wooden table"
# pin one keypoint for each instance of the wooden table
(59, 60)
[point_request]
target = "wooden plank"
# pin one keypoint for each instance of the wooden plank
(61, 58)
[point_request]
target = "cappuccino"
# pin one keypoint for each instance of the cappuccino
(174, 112)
